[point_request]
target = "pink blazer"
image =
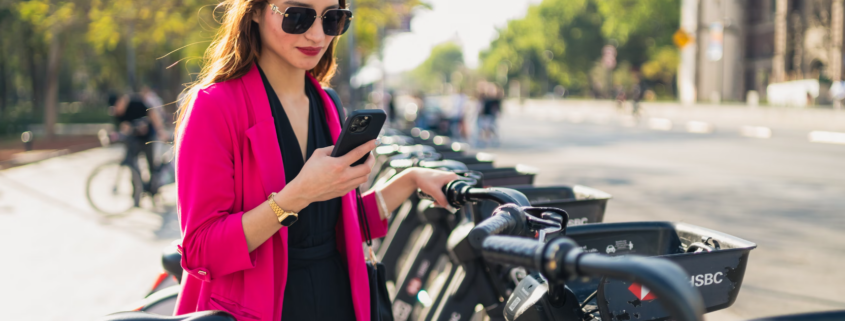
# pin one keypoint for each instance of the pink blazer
(228, 162)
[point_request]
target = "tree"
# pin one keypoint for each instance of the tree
(77, 50)
(445, 59)
(559, 41)
(52, 18)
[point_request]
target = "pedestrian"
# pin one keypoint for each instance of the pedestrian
(391, 107)
(491, 102)
(269, 221)
(637, 92)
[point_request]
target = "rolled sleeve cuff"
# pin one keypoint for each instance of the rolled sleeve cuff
(225, 251)
(378, 226)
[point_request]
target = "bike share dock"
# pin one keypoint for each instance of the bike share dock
(714, 260)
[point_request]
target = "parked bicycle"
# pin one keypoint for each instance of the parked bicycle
(115, 187)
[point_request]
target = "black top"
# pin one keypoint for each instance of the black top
(136, 110)
(317, 275)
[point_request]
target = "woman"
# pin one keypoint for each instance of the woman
(253, 150)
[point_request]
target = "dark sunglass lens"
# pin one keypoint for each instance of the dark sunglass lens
(298, 20)
(336, 22)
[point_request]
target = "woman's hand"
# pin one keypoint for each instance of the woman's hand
(431, 182)
(324, 177)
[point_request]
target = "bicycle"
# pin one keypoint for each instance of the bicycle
(115, 187)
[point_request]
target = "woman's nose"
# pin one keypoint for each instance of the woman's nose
(316, 33)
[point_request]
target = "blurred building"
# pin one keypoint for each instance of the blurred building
(792, 46)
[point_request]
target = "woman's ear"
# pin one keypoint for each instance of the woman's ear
(257, 16)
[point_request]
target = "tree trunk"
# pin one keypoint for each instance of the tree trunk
(3, 81)
(33, 59)
(53, 68)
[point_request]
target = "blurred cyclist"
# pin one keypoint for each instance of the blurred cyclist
(138, 126)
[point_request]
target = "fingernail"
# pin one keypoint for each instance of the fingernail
(378, 141)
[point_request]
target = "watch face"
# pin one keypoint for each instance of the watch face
(289, 220)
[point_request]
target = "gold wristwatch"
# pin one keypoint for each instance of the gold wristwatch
(286, 218)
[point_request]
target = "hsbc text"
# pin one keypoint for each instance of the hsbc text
(706, 279)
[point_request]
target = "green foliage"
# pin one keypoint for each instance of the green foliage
(372, 16)
(626, 18)
(558, 42)
(445, 59)
(168, 38)
(663, 65)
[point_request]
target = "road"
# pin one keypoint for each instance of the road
(783, 193)
(62, 261)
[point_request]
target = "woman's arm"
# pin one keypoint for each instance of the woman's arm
(430, 181)
(323, 177)
(213, 243)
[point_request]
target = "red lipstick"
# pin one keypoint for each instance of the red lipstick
(310, 51)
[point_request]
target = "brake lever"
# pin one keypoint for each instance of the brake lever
(550, 223)
(544, 227)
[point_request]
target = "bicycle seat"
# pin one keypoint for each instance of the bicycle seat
(196, 316)
(171, 260)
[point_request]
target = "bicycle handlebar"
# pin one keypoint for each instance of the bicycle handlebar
(507, 219)
(562, 259)
(462, 191)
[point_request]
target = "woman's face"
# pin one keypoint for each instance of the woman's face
(302, 51)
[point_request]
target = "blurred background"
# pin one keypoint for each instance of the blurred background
(722, 113)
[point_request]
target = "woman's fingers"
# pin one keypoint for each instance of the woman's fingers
(440, 198)
(326, 151)
(363, 169)
(432, 181)
(358, 152)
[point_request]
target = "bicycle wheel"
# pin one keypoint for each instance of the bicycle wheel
(111, 188)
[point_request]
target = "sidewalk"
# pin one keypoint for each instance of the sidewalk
(57, 250)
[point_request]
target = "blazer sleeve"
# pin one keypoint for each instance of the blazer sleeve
(378, 226)
(214, 243)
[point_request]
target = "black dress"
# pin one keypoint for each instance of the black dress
(318, 285)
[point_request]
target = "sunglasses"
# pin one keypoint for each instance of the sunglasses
(298, 20)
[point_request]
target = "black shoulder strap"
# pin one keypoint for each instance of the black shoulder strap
(336, 99)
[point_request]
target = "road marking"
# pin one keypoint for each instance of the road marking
(699, 127)
(660, 124)
(756, 131)
(818, 136)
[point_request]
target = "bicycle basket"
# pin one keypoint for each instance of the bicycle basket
(715, 262)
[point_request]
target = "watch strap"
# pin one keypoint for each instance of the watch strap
(286, 218)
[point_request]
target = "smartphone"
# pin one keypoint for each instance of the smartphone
(360, 127)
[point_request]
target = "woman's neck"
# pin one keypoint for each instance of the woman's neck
(284, 77)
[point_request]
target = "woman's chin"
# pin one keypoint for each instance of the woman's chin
(307, 63)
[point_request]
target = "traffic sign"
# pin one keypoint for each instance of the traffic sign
(681, 38)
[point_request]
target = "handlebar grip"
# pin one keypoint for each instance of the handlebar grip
(496, 224)
(512, 250)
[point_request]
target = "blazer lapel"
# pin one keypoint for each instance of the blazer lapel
(262, 135)
(331, 111)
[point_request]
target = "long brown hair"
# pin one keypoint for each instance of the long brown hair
(237, 45)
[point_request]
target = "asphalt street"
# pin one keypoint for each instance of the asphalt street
(784, 193)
